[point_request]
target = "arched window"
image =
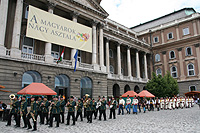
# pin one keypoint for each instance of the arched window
(190, 68)
(26, 12)
(188, 51)
(172, 55)
(30, 77)
(86, 86)
(174, 72)
(111, 53)
(192, 88)
(111, 69)
(157, 57)
(158, 71)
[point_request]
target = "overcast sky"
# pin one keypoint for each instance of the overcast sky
(133, 12)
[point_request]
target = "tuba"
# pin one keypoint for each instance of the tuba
(12, 97)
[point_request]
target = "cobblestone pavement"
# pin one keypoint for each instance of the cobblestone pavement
(165, 121)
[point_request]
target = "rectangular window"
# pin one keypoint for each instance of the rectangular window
(186, 31)
(170, 35)
(155, 39)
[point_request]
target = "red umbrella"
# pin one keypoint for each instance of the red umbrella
(36, 89)
(145, 93)
(130, 93)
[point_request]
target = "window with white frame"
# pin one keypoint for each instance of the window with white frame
(122, 71)
(55, 49)
(157, 57)
(186, 31)
(111, 53)
(174, 72)
(172, 55)
(158, 71)
(26, 12)
(170, 35)
(190, 68)
(155, 39)
(188, 51)
(111, 69)
(192, 88)
(28, 44)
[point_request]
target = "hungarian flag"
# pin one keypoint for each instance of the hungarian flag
(61, 56)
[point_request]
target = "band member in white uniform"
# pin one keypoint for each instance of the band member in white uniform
(162, 103)
(121, 106)
(135, 103)
(128, 104)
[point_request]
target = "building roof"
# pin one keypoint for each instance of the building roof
(164, 19)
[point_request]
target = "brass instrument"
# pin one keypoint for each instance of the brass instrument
(12, 97)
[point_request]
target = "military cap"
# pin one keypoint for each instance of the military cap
(24, 96)
(33, 97)
(54, 96)
(103, 96)
(127, 95)
(71, 97)
(61, 96)
(79, 98)
(45, 97)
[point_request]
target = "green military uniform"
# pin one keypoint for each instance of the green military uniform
(23, 112)
(112, 109)
(89, 110)
(39, 110)
(71, 108)
(45, 111)
(14, 111)
(79, 110)
(94, 104)
(62, 109)
(55, 112)
(32, 114)
(103, 109)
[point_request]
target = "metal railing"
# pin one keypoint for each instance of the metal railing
(7, 52)
(86, 66)
(32, 57)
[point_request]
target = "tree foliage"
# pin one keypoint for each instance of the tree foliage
(163, 86)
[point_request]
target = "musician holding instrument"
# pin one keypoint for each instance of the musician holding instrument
(14, 110)
(79, 109)
(89, 109)
(39, 110)
(45, 110)
(62, 108)
(32, 114)
(97, 107)
(94, 104)
(112, 108)
(71, 109)
(103, 109)
(55, 111)
(23, 110)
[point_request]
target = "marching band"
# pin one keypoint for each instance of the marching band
(56, 108)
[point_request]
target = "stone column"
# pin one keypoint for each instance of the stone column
(164, 62)
(198, 26)
(48, 45)
(162, 36)
(101, 49)
(118, 60)
(94, 42)
(15, 52)
(107, 56)
(74, 19)
(137, 64)
(194, 27)
(129, 62)
(3, 21)
(182, 75)
(198, 55)
(145, 65)
(177, 32)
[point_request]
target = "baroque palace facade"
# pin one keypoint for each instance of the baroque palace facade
(122, 58)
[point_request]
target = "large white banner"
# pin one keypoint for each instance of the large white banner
(54, 29)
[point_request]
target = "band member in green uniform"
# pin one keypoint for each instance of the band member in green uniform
(32, 114)
(112, 108)
(45, 110)
(89, 109)
(39, 111)
(23, 111)
(79, 109)
(55, 111)
(71, 109)
(62, 108)
(103, 109)
(14, 111)
(94, 104)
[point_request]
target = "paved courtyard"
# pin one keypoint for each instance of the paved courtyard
(164, 121)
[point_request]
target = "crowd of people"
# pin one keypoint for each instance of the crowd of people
(47, 110)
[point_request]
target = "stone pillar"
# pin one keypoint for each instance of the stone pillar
(162, 36)
(48, 45)
(101, 48)
(137, 64)
(198, 55)
(198, 26)
(145, 65)
(194, 27)
(164, 62)
(94, 42)
(182, 75)
(74, 19)
(118, 60)
(15, 52)
(107, 56)
(177, 32)
(3, 21)
(129, 62)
